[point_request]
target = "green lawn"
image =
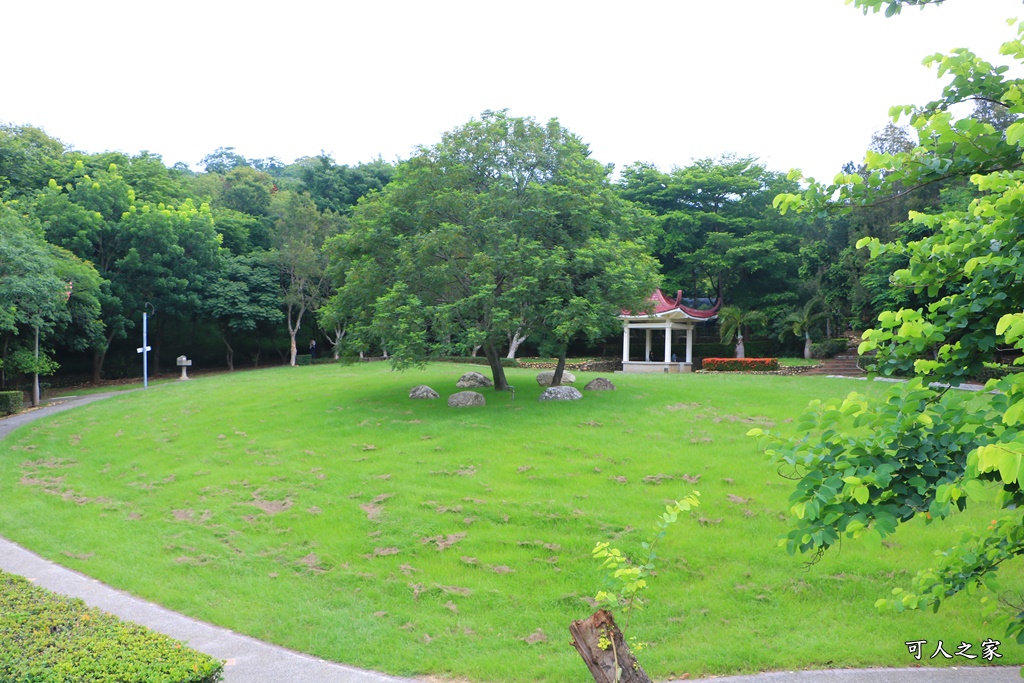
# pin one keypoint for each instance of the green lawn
(798, 362)
(321, 509)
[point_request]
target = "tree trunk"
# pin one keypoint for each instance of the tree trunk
(99, 357)
(513, 345)
(474, 352)
(828, 327)
(293, 331)
(497, 369)
(229, 355)
(35, 375)
(602, 647)
(556, 379)
(339, 334)
(3, 357)
(740, 352)
(807, 346)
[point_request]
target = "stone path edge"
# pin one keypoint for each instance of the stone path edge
(249, 660)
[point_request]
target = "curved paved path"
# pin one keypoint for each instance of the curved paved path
(254, 661)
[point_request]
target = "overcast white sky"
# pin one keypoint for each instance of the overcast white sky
(798, 83)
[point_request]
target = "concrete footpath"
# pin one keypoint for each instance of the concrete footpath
(253, 661)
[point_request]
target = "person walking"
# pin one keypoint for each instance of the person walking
(312, 349)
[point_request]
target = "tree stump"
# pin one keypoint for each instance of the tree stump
(602, 647)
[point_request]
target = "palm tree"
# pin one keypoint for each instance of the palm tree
(732, 321)
(802, 321)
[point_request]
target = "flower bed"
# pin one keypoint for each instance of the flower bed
(740, 364)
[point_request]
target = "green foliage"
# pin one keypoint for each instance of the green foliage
(300, 232)
(28, 158)
(740, 364)
(476, 360)
(338, 188)
(829, 348)
(627, 579)
(866, 466)
(46, 638)
(240, 297)
(732, 320)
(892, 7)
(715, 219)
(506, 225)
(11, 402)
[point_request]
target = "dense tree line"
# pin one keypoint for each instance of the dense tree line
(256, 256)
(232, 253)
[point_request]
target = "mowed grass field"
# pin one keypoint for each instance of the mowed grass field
(321, 509)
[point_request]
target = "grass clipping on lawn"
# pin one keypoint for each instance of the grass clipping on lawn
(47, 638)
(322, 509)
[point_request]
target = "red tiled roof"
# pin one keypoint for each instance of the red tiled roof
(663, 304)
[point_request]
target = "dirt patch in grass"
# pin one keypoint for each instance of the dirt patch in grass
(77, 556)
(467, 471)
(373, 509)
(553, 547)
(311, 563)
(537, 636)
(443, 542)
(273, 507)
(382, 552)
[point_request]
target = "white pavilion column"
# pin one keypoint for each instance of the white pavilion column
(689, 343)
(668, 343)
(647, 350)
(625, 342)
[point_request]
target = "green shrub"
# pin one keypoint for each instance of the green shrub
(476, 360)
(47, 638)
(10, 402)
(829, 348)
(741, 364)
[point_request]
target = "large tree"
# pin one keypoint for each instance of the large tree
(300, 231)
(506, 224)
(241, 296)
(715, 219)
(866, 465)
(37, 280)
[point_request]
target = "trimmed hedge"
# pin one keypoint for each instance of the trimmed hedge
(10, 402)
(741, 364)
(48, 638)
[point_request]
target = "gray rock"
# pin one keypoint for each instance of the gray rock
(466, 399)
(423, 391)
(473, 380)
(561, 394)
(599, 384)
(544, 378)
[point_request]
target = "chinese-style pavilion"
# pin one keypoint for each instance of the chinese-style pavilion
(669, 315)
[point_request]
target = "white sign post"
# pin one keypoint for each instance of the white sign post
(144, 350)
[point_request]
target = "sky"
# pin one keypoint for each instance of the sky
(796, 83)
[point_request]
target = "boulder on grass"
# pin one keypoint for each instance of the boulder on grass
(599, 384)
(473, 380)
(560, 394)
(466, 399)
(544, 378)
(423, 391)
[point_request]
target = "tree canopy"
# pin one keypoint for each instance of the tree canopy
(867, 465)
(505, 225)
